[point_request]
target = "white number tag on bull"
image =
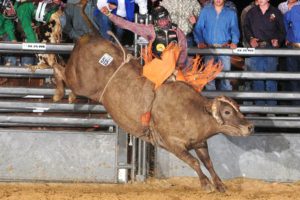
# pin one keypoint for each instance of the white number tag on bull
(105, 60)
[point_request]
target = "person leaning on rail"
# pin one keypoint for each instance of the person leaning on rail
(292, 27)
(29, 13)
(217, 26)
(264, 28)
(7, 28)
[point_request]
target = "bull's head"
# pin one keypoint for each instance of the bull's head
(228, 116)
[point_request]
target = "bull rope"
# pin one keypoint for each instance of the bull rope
(126, 59)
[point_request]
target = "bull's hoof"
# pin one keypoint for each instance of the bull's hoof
(220, 187)
(57, 97)
(207, 186)
(72, 97)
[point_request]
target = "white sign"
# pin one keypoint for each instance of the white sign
(33, 46)
(106, 59)
(40, 110)
(34, 96)
(244, 50)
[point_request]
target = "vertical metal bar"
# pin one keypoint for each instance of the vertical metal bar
(135, 37)
(141, 49)
(133, 159)
(122, 156)
(139, 157)
(116, 155)
(144, 159)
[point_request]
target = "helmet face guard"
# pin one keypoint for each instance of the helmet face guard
(7, 9)
(160, 13)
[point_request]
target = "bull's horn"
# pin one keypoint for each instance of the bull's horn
(229, 101)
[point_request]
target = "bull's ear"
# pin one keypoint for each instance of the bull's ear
(215, 110)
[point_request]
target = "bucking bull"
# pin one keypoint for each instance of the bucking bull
(180, 118)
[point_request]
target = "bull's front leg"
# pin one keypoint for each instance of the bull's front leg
(203, 155)
(194, 163)
(59, 74)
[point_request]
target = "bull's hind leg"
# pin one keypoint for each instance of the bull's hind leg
(72, 97)
(194, 163)
(59, 74)
(203, 155)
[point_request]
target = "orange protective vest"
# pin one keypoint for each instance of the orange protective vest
(158, 70)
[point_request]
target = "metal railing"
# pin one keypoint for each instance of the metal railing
(139, 148)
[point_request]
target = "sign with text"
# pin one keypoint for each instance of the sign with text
(33, 46)
(244, 51)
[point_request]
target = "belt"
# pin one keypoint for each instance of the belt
(264, 44)
(219, 45)
(295, 45)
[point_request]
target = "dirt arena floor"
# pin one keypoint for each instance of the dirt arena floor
(154, 189)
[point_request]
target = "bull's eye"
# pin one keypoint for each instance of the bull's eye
(227, 112)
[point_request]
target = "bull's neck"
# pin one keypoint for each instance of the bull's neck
(216, 128)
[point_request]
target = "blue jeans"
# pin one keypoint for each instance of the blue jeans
(224, 83)
(190, 40)
(293, 65)
(24, 60)
(9, 59)
(264, 64)
(104, 24)
(28, 60)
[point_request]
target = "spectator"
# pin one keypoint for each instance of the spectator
(287, 5)
(7, 29)
(228, 4)
(247, 83)
(184, 15)
(217, 26)
(204, 2)
(74, 24)
(28, 13)
(292, 27)
(243, 16)
(121, 8)
(264, 28)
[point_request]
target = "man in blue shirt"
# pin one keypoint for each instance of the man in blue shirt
(292, 27)
(217, 26)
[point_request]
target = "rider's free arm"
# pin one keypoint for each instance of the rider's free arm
(146, 31)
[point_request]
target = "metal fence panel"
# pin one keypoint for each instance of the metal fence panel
(57, 156)
(268, 157)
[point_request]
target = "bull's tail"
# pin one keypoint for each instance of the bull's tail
(86, 18)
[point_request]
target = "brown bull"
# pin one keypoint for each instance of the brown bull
(180, 118)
